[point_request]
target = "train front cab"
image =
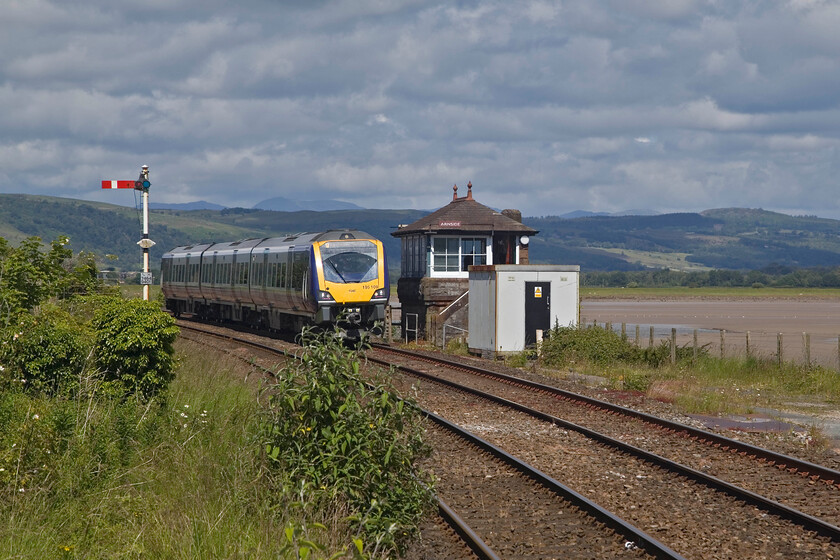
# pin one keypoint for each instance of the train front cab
(350, 280)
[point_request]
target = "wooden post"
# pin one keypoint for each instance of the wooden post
(673, 346)
(806, 348)
(780, 346)
(722, 343)
(638, 342)
(624, 331)
(650, 344)
(748, 344)
(695, 345)
(608, 326)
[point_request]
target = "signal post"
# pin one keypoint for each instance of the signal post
(142, 184)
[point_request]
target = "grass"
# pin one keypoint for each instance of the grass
(180, 479)
(706, 385)
(591, 292)
(651, 259)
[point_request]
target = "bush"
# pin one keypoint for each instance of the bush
(341, 442)
(133, 346)
(45, 352)
(594, 345)
(603, 347)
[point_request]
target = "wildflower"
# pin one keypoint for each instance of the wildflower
(2, 368)
(35, 417)
(186, 406)
(183, 415)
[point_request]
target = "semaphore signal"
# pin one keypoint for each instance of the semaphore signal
(141, 184)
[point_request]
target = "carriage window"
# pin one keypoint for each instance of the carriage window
(349, 261)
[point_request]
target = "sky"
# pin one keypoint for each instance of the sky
(545, 106)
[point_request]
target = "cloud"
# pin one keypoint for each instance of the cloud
(546, 106)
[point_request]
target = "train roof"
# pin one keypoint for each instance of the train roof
(302, 238)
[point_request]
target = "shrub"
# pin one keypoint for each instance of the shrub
(602, 347)
(594, 345)
(133, 346)
(342, 442)
(45, 352)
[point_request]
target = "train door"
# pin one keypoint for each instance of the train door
(537, 310)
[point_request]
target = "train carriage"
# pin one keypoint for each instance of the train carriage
(281, 283)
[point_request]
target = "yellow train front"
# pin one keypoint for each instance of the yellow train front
(323, 278)
(350, 280)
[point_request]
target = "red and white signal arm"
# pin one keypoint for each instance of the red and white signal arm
(118, 184)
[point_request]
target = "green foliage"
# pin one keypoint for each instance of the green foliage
(45, 351)
(133, 346)
(772, 277)
(598, 346)
(344, 442)
(593, 345)
(28, 276)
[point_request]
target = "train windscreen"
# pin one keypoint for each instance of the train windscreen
(349, 261)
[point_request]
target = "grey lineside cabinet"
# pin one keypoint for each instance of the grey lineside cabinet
(512, 306)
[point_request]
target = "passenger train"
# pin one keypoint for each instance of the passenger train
(283, 283)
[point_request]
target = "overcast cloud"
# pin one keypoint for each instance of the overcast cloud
(549, 107)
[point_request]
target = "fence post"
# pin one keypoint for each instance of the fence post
(695, 345)
(638, 342)
(748, 344)
(722, 343)
(780, 348)
(806, 348)
(624, 332)
(673, 346)
(650, 345)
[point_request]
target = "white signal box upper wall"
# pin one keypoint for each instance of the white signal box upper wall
(512, 305)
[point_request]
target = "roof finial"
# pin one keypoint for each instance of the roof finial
(455, 192)
(469, 190)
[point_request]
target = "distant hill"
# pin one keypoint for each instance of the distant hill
(726, 238)
(281, 204)
(588, 214)
(198, 205)
(732, 238)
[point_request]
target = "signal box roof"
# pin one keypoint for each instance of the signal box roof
(464, 215)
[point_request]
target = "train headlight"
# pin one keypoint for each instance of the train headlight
(325, 296)
(379, 294)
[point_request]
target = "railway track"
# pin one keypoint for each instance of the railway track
(811, 488)
(697, 517)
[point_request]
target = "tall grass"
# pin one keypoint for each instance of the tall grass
(701, 383)
(174, 478)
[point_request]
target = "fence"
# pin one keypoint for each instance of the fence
(781, 347)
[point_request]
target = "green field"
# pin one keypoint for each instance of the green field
(678, 292)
